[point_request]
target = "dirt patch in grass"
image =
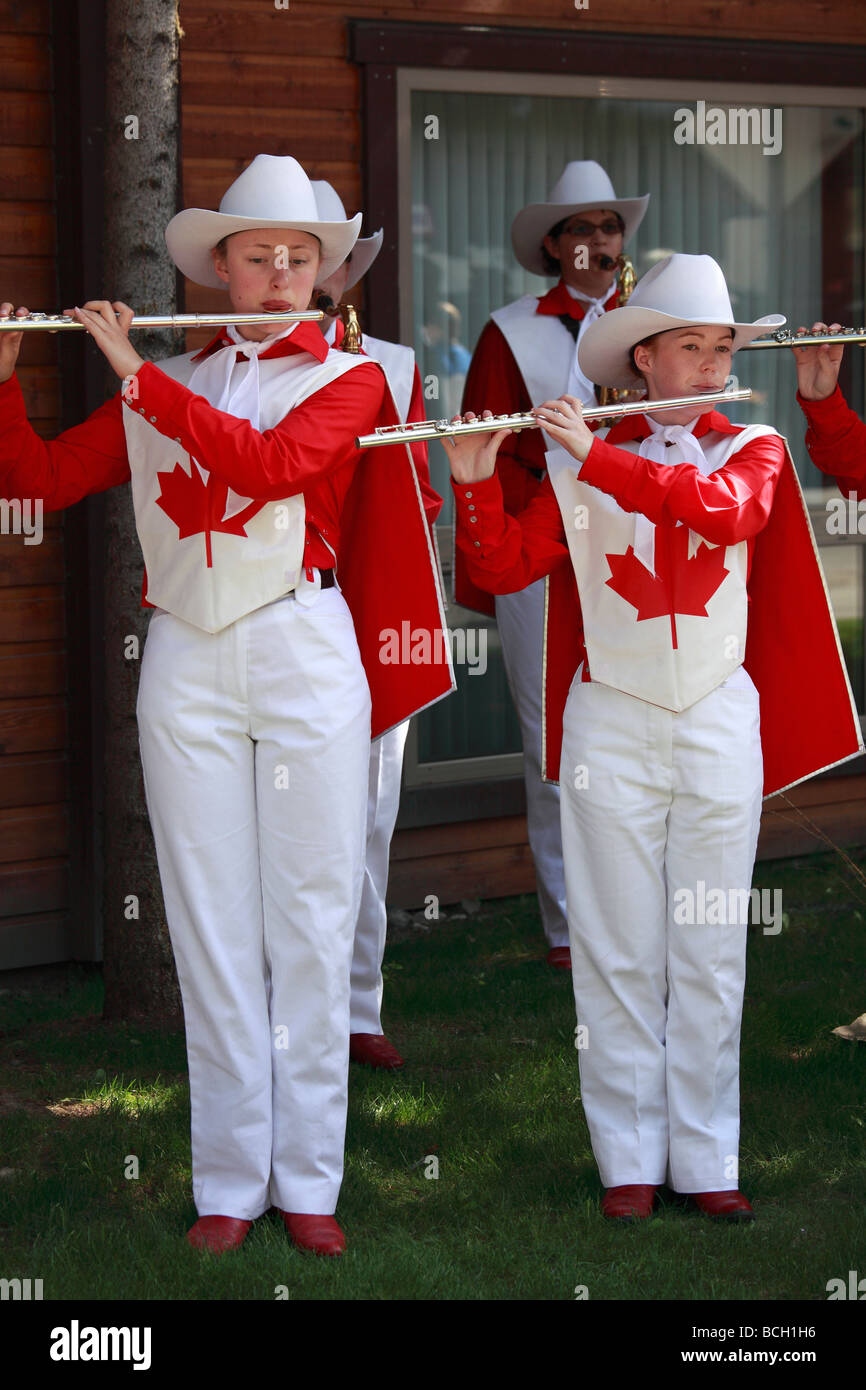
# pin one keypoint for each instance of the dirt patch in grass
(74, 1109)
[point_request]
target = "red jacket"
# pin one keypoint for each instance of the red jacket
(417, 412)
(836, 440)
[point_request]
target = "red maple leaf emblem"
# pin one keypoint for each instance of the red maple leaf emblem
(680, 584)
(194, 506)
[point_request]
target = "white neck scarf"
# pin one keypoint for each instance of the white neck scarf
(212, 378)
(684, 448)
(578, 384)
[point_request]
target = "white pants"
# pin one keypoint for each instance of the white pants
(654, 803)
(255, 744)
(383, 803)
(520, 618)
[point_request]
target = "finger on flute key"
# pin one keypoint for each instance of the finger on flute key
(10, 345)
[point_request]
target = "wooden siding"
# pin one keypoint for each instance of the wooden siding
(316, 28)
(34, 778)
(256, 78)
(491, 858)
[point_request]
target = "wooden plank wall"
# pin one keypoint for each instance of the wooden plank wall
(491, 858)
(34, 835)
(261, 78)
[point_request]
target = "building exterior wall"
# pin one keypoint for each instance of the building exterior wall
(34, 776)
(260, 75)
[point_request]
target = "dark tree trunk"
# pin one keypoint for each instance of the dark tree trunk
(141, 184)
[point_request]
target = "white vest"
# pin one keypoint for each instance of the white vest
(211, 577)
(669, 641)
(541, 346)
(398, 364)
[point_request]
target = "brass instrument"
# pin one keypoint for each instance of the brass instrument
(784, 338)
(352, 334)
(55, 323)
(627, 277)
(352, 328)
(445, 429)
(627, 282)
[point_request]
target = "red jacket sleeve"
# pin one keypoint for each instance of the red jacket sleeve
(314, 439)
(494, 382)
(505, 553)
(431, 499)
(836, 440)
(725, 507)
(88, 458)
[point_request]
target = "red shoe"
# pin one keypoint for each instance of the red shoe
(725, 1206)
(374, 1050)
(218, 1233)
(321, 1234)
(632, 1202)
(559, 957)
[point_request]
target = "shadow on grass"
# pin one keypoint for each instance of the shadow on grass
(490, 1092)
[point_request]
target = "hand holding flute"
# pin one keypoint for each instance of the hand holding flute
(107, 323)
(473, 456)
(818, 365)
(10, 343)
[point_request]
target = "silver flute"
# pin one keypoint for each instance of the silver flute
(55, 323)
(784, 338)
(444, 429)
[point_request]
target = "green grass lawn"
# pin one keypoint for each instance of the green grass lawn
(490, 1090)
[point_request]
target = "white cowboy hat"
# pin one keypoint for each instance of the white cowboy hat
(273, 191)
(366, 248)
(679, 292)
(582, 186)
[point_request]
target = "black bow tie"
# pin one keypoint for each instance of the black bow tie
(573, 325)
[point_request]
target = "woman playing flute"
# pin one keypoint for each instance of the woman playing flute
(651, 545)
(254, 706)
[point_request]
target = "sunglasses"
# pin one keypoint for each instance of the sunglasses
(586, 229)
